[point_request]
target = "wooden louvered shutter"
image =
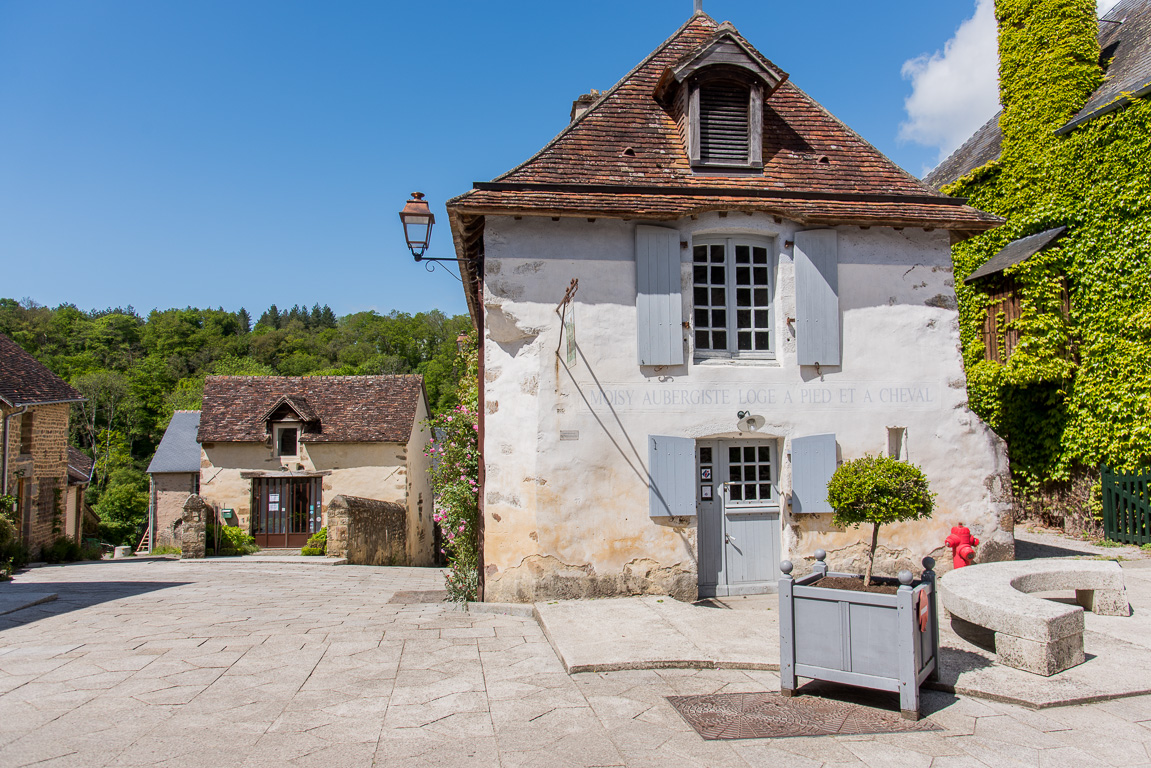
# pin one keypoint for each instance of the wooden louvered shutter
(724, 122)
(817, 297)
(813, 462)
(658, 302)
(671, 468)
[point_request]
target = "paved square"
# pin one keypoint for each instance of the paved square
(174, 664)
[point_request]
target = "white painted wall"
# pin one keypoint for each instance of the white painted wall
(561, 508)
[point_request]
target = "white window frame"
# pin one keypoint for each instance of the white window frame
(730, 241)
(276, 430)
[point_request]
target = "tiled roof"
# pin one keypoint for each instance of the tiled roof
(1125, 40)
(979, 150)
(25, 381)
(628, 150)
(80, 467)
(178, 451)
(349, 409)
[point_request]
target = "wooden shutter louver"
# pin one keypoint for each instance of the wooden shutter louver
(724, 122)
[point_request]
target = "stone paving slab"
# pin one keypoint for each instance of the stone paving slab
(15, 601)
(658, 633)
(158, 664)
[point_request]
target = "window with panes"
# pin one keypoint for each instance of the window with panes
(732, 292)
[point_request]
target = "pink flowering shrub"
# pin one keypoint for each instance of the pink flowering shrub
(455, 454)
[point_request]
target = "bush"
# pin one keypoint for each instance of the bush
(13, 553)
(62, 550)
(165, 549)
(317, 543)
(229, 540)
(878, 490)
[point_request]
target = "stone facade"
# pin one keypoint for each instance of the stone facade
(41, 472)
(367, 531)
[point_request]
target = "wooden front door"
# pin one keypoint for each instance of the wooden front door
(287, 510)
(739, 526)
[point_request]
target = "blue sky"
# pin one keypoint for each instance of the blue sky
(243, 153)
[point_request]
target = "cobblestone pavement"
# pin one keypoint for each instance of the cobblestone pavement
(170, 664)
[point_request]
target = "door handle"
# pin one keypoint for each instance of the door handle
(727, 537)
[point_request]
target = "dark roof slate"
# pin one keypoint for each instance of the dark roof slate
(26, 381)
(179, 450)
(80, 466)
(348, 409)
(1016, 252)
(807, 153)
(1127, 44)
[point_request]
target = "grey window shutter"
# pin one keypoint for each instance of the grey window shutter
(817, 297)
(813, 462)
(671, 467)
(659, 311)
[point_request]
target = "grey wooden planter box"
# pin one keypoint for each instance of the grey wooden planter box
(858, 638)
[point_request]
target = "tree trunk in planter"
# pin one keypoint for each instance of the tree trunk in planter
(884, 642)
(871, 554)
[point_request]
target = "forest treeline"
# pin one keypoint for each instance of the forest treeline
(135, 370)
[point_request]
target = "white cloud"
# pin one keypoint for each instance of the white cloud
(956, 90)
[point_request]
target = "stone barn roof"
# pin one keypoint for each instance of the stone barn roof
(346, 409)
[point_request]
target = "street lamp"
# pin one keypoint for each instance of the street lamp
(418, 220)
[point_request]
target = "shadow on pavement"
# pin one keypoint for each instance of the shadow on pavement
(73, 595)
(1031, 550)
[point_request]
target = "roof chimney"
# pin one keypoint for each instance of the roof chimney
(698, 6)
(584, 103)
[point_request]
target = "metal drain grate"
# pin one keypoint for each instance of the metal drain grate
(769, 715)
(413, 597)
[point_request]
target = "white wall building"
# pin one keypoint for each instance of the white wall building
(761, 295)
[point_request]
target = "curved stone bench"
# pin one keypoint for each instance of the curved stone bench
(1033, 634)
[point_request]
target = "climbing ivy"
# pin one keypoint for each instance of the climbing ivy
(1076, 391)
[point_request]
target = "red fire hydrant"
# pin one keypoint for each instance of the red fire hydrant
(962, 545)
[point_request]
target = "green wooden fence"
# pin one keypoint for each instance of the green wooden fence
(1126, 506)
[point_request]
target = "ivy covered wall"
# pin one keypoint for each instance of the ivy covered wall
(1076, 392)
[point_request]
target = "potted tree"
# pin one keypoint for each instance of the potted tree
(848, 630)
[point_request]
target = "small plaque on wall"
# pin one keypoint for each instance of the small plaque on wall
(569, 434)
(705, 492)
(705, 473)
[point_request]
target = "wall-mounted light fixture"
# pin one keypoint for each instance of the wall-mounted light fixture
(418, 220)
(749, 422)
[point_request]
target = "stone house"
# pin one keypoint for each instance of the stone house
(276, 450)
(174, 473)
(694, 302)
(34, 461)
(1054, 302)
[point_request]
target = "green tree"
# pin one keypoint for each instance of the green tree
(878, 490)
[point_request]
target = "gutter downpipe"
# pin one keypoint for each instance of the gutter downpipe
(4, 444)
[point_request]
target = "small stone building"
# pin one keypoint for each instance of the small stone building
(276, 450)
(694, 303)
(34, 461)
(175, 475)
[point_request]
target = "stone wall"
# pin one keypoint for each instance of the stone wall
(45, 470)
(194, 528)
(172, 490)
(367, 531)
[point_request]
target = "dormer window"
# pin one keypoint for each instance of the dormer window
(724, 115)
(287, 440)
(716, 94)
